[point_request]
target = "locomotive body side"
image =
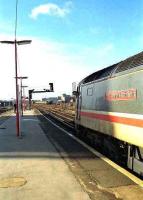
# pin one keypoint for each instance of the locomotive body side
(114, 107)
(110, 111)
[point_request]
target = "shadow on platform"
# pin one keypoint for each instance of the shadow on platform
(39, 139)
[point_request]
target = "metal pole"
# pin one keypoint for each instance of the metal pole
(23, 104)
(17, 102)
(29, 100)
(24, 100)
(21, 99)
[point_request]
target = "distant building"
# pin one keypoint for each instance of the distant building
(65, 98)
(50, 100)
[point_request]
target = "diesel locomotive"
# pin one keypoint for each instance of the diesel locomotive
(109, 111)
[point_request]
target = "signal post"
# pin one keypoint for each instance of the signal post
(39, 91)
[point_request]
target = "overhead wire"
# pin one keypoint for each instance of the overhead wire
(16, 13)
(15, 31)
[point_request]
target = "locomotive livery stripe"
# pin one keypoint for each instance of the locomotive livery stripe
(114, 118)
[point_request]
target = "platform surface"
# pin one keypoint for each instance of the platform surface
(30, 166)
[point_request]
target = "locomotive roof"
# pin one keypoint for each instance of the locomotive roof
(129, 63)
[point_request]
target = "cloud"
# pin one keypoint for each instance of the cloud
(43, 62)
(51, 9)
(7, 81)
(49, 61)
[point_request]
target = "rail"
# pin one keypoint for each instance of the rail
(62, 113)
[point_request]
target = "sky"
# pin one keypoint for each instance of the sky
(70, 40)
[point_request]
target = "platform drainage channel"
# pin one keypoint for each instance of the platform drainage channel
(12, 182)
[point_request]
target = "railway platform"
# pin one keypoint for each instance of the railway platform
(32, 167)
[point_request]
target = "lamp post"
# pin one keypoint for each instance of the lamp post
(24, 97)
(21, 78)
(15, 42)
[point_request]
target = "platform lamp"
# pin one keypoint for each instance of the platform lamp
(21, 78)
(15, 42)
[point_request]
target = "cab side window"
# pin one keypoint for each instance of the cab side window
(89, 91)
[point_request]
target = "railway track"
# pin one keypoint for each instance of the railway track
(2, 110)
(63, 115)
